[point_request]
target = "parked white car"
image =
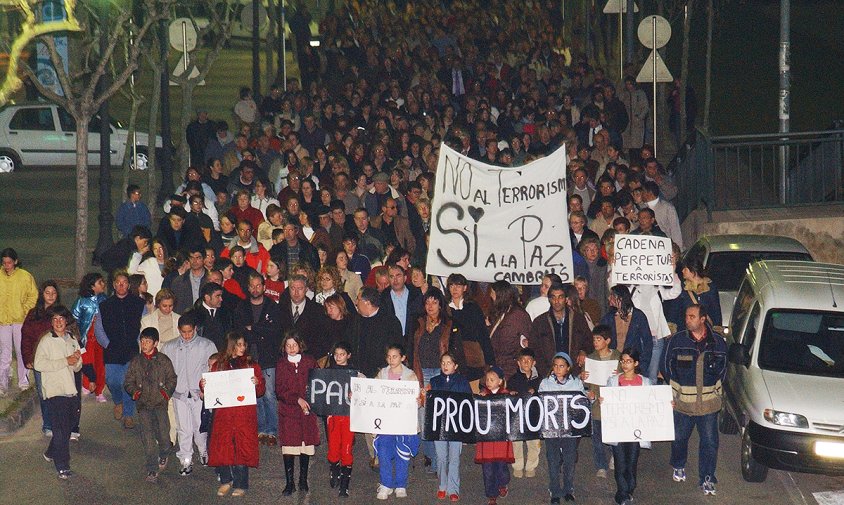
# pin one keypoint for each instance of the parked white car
(726, 257)
(785, 377)
(44, 134)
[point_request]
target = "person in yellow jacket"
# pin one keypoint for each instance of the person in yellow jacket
(18, 294)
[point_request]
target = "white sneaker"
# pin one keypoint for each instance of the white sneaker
(75, 436)
(601, 474)
(384, 492)
(401, 492)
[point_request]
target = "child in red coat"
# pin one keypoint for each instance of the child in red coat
(495, 457)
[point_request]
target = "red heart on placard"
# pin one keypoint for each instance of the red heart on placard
(241, 398)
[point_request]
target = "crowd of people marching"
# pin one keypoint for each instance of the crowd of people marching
(298, 240)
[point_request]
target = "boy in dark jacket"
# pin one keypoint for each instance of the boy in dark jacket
(525, 382)
(150, 381)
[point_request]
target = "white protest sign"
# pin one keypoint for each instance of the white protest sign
(494, 223)
(633, 414)
(600, 371)
(230, 388)
(384, 407)
(642, 259)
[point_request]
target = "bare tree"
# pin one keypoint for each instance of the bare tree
(31, 28)
(219, 28)
(82, 94)
(684, 65)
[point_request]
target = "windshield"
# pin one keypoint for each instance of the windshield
(806, 343)
(727, 269)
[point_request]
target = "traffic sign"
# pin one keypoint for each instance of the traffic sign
(646, 32)
(662, 72)
(613, 7)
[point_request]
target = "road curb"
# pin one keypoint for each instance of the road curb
(19, 412)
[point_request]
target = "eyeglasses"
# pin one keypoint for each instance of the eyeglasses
(627, 361)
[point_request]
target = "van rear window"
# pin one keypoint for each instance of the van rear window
(803, 342)
(727, 268)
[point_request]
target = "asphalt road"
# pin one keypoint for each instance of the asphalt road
(108, 462)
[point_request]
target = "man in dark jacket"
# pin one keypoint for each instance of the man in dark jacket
(405, 303)
(260, 318)
(198, 133)
(177, 235)
(293, 250)
(695, 366)
(561, 329)
(300, 312)
(213, 321)
(188, 286)
(150, 381)
(117, 330)
(371, 332)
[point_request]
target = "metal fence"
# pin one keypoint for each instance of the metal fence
(753, 171)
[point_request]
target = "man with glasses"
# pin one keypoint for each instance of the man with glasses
(394, 228)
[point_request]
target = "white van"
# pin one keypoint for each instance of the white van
(784, 391)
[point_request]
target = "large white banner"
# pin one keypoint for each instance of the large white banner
(230, 388)
(642, 259)
(492, 223)
(634, 414)
(384, 407)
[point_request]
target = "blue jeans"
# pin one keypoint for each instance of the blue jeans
(656, 359)
(115, 374)
(707, 428)
(561, 454)
(599, 450)
(626, 456)
(46, 423)
(496, 476)
(428, 446)
(268, 406)
(448, 465)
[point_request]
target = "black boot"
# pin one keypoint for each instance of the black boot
(334, 473)
(303, 472)
(345, 477)
(288, 474)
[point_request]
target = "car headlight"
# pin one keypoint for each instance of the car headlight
(786, 419)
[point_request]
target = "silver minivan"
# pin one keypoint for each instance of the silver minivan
(784, 391)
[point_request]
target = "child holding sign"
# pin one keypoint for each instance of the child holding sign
(626, 454)
(525, 382)
(341, 440)
(561, 453)
(601, 340)
(448, 453)
(395, 451)
(494, 456)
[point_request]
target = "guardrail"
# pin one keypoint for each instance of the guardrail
(758, 171)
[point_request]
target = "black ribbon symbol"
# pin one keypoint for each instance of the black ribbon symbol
(378, 423)
(218, 402)
(637, 434)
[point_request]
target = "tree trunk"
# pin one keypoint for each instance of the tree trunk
(268, 45)
(684, 67)
(710, 20)
(81, 245)
(187, 108)
(152, 153)
(133, 127)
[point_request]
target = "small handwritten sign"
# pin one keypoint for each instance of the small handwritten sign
(384, 407)
(229, 388)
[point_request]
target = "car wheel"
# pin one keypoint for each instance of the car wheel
(751, 470)
(726, 424)
(9, 162)
(142, 160)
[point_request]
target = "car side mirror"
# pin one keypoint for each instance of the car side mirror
(738, 354)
